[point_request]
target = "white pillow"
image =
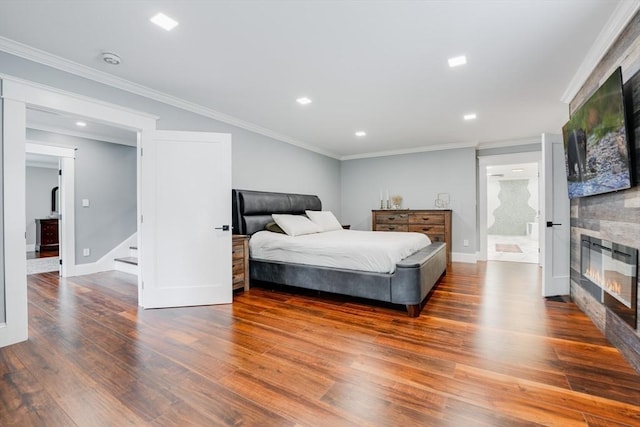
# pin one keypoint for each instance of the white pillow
(295, 225)
(326, 220)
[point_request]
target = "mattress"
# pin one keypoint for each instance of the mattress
(373, 251)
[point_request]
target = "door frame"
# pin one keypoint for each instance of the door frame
(502, 159)
(67, 232)
(17, 94)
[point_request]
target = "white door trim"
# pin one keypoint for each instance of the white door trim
(499, 159)
(67, 157)
(17, 94)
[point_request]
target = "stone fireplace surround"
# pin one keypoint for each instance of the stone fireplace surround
(611, 216)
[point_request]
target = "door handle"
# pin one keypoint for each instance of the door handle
(551, 224)
(223, 228)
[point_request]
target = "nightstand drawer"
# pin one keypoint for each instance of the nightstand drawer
(240, 262)
(237, 251)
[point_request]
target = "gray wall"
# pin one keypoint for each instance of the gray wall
(418, 178)
(39, 183)
(258, 162)
(105, 173)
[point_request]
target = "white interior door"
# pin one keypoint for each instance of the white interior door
(555, 241)
(185, 233)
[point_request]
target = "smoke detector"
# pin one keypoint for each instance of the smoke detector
(111, 58)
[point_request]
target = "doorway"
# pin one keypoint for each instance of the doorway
(513, 212)
(524, 230)
(43, 213)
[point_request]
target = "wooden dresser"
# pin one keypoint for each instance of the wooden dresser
(434, 223)
(46, 234)
(240, 262)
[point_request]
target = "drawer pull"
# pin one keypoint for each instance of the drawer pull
(392, 228)
(426, 229)
(391, 218)
(426, 218)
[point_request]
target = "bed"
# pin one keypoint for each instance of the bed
(411, 281)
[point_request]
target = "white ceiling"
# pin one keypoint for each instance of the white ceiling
(379, 66)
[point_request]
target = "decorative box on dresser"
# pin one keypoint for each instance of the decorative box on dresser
(240, 262)
(434, 223)
(47, 234)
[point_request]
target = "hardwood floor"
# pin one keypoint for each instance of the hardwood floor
(487, 350)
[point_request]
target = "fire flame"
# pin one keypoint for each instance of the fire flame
(610, 285)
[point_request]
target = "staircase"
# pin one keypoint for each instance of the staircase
(128, 264)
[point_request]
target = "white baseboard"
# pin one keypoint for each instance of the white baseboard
(31, 247)
(106, 263)
(464, 257)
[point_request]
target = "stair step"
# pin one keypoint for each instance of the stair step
(128, 260)
(135, 248)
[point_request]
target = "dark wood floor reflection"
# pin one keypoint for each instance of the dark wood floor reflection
(486, 351)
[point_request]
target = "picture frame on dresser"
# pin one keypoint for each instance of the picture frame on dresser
(435, 223)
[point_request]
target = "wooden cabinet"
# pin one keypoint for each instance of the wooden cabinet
(240, 262)
(46, 234)
(434, 223)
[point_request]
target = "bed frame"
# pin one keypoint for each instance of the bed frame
(409, 285)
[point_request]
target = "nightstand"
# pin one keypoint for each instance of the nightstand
(240, 262)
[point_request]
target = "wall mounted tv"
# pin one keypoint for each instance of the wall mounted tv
(596, 145)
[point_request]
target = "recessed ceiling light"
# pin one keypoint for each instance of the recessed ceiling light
(457, 61)
(361, 133)
(517, 170)
(163, 21)
(81, 124)
(304, 100)
(470, 116)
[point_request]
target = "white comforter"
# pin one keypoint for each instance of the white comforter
(375, 251)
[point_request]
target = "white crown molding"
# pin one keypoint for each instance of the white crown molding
(618, 20)
(32, 54)
(510, 143)
(400, 152)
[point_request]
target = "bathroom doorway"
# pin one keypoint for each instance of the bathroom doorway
(513, 212)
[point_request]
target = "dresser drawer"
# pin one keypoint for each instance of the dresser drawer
(426, 218)
(427, 229)
(392, 227)
(392, 218)
(437, 237)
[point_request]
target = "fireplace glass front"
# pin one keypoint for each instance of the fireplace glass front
(609, 273)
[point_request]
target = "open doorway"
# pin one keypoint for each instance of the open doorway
(42, 213)
(513, 212)
(490, 169)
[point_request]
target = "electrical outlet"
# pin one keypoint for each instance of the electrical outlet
(465, 242)
(86, 252)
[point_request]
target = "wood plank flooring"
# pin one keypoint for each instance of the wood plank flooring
(487, 350)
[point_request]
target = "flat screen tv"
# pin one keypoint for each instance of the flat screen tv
(596, 145)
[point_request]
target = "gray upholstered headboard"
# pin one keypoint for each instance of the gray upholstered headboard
(252, 209)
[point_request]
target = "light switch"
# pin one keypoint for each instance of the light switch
(85, 203)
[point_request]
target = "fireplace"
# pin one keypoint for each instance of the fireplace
(609, 273)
